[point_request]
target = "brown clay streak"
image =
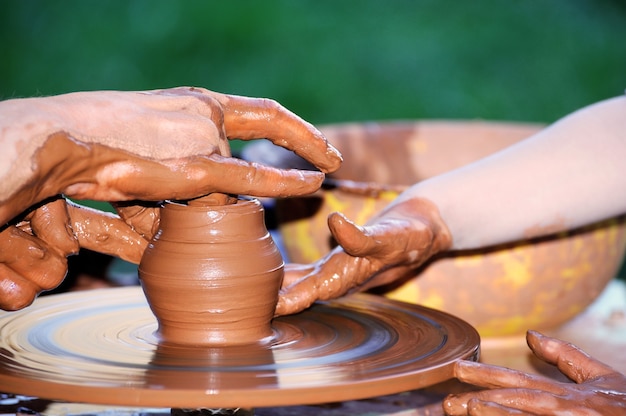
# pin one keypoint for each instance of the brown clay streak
(35, 249)
(64, 165)
(106, 233)
(60, 162)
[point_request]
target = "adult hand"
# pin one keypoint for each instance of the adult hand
(126, 147)
(34, 251)
(392, 244)
(149, 146)
(597, 389)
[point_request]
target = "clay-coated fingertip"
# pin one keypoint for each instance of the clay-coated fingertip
(307, 182)
(453, 405)
(18, 299)
(337, 220)
(533, 337)
(286, 308)
(336, 159)
(337, 217)
(279, 309)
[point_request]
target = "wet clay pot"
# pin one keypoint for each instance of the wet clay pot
(212, 274)
(501, 291)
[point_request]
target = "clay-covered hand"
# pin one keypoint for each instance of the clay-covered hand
(126, 147)
(597, 388)
(389, 246)
(150, 146)
(35, 248)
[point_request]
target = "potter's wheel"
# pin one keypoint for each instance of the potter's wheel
(99, 347)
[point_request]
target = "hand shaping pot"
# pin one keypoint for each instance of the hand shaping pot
(506, 290)
(211, 274)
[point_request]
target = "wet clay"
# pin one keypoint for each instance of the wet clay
(185, 126)
(35, 249)
(477, 285)
(130, 148)
(404, 235)
(102, 346)
(212, 274)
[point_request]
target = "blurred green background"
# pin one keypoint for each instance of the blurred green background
(328, 60)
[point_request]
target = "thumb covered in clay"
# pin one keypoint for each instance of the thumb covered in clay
(35, 249)
(596, 388)
(387, 248)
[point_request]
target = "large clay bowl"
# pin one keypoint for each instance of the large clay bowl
(501, 291)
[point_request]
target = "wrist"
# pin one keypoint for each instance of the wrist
(423, 213)
(25, 128)
(26, 120)
(25, 125)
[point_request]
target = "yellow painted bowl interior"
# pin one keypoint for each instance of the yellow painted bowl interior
(507, 290)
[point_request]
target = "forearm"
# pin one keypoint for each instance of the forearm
(51, 143)
(25, 124)
(568, 175)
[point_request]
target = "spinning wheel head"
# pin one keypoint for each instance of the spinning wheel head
(102, 347)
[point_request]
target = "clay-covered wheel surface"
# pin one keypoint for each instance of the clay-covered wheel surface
(100, 347)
